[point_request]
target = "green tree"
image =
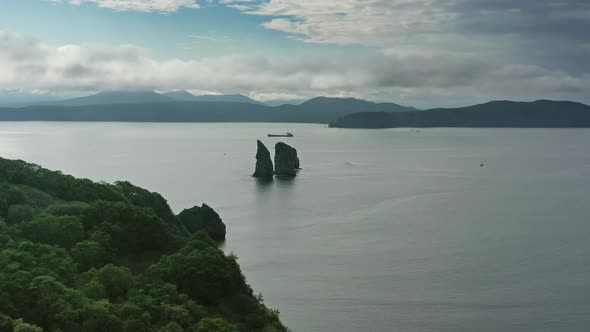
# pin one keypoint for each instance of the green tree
(215, 325)
(89, 254)
(18, 213)
(63, 231)
(171, 327)
(143, 198)
(53, 303)
(67, 209)
(98, 317)
(20, 326)
(132, 229)
(201, 270)
(5, 323)
(15, 195)
(5, 238)
(134, 318)
(116, 280)
(95, 290)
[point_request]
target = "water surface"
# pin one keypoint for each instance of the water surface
(383, 230)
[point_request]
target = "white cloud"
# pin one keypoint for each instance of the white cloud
(374, 22)
(264, 97)
(411, 78)
(511, 30)
(162, 6)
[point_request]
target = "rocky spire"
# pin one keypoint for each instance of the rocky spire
(286, 160)
(264, 167)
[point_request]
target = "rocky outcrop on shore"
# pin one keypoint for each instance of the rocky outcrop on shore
(264, 168)
(203, 218)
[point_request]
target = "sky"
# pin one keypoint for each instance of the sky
(423, 53)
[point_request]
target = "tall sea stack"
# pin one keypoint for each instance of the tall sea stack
(286, 160)
(263, 162)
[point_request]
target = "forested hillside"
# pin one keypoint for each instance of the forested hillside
(76, 255)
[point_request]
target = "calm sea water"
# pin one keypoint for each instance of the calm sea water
(386, 230)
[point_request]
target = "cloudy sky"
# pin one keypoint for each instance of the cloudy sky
(416, 52)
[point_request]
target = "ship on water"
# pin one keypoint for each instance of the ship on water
(280, 135)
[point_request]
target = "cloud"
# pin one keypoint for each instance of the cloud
(411, 78)
(513, 30)
(281, 96)
(368, 22)
(161, 6)
(381, 22)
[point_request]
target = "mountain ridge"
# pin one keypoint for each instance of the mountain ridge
(142, 96)
(338, 112)
(498, 113)
(317, 110)
(114, 97)
(183, 95)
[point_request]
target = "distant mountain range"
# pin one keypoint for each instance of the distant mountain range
(182, 95)
(136, 97)
(182, 106)
(20, 99)
(497, 114)
(115, 97)
(172, 107)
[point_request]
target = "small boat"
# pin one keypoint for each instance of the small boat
(280, 135)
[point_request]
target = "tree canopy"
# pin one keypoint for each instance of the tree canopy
(76, 255)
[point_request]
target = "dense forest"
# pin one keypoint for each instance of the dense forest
(76, 255)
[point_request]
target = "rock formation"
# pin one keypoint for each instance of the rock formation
(297, 165)
(264, 167)
(286, 160)
(203, 218)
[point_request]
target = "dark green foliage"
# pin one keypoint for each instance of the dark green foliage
(17, 196)
(73, 252)
(203, 218)
(34, 259)
(20, 265)
(35, 198)
(143, 198)
(55, 183)
(20, 326)
(116, 280)
(3, 205)
(18, 213)
(171, 327)
(94, 289)
(9, 195)
(131, 229)
(201, 270)
(215, 325)
(209, 277)
(5, 323)
(63, 231)
(67, 209)
(88, 254)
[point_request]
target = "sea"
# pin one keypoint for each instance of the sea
(403, 229)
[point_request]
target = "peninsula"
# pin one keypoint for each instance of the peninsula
(76, 255)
